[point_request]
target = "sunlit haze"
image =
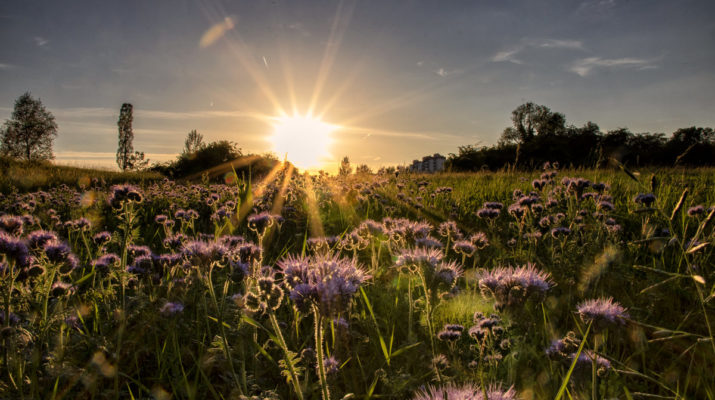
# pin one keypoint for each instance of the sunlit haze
(303, 140)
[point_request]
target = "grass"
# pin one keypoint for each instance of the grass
(109, 335)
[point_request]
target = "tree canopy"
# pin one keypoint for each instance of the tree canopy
(29, 133)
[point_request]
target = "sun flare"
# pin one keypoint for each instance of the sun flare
(303, 139)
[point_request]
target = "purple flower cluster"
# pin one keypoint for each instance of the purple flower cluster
(121, 194)
(511, 287)
(602, 313)
(328, 282)
(467, 391)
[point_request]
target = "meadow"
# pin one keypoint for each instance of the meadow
(554, 283)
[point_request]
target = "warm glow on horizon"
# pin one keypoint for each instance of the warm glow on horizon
(303, 139)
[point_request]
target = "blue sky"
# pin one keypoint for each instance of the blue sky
(405, 78)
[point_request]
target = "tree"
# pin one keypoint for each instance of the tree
(345, 168)
(126, 136)
(30, 132)
(127, 158)
(363, 169)
(531, 119)
(193, 143)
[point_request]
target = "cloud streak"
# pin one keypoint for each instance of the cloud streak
(216, 32)
(510, 54)
(585, 66)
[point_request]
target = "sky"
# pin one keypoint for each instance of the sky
(400, 79)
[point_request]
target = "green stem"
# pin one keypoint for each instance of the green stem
(288, 359)
(319, 353)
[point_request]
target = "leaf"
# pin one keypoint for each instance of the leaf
(696, 248)
(573, 365)
(699, 279)
(679, 205)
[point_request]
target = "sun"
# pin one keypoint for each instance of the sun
(303, 139)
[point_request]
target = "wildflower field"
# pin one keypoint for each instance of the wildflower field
(551, 284)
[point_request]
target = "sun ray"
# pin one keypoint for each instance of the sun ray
(315, 223)
(340, 24)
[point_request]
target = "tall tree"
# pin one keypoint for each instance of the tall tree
(30, 132)
(345, 168)
(194, 142)
(125, 151)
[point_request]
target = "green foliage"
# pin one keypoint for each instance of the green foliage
(29, 133)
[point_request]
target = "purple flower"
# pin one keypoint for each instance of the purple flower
(488, 213)
(102, 238)
(511, 287)
(695, 211)
(61, 288)
(516, 211)
(645, 199)
(121, 194)
(448, 335)
(105, 262)
(479, 239)
(11, 224)
(259, 223)
(449, 229)
(429, 242)
(467, 391)
(171, 308)
(560, 231)
(38, 239)
(602, 313)
(328, 282)
(331, 365)
(464, 247)
(493, 205)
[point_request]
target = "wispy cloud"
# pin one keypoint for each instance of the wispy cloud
(40, 41)
(445, 73)
(561, 44)
(509, 55)
(300, 28)
(585, 66)
(4, 66)
(216, 32)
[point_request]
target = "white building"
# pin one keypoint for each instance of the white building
(433, 163)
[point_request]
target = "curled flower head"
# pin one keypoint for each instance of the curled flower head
(60, 253)
(449, 229)
(14, 249)
(121, 194)
(266, 298)
(12, 224)
(38, 239)
(259, 223)
(102, 238)
(106, 262)
(602, 313)
(479, 239)
(464, 247)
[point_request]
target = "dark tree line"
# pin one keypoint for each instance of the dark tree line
(539, 135)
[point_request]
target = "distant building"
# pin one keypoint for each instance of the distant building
(433, 163)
